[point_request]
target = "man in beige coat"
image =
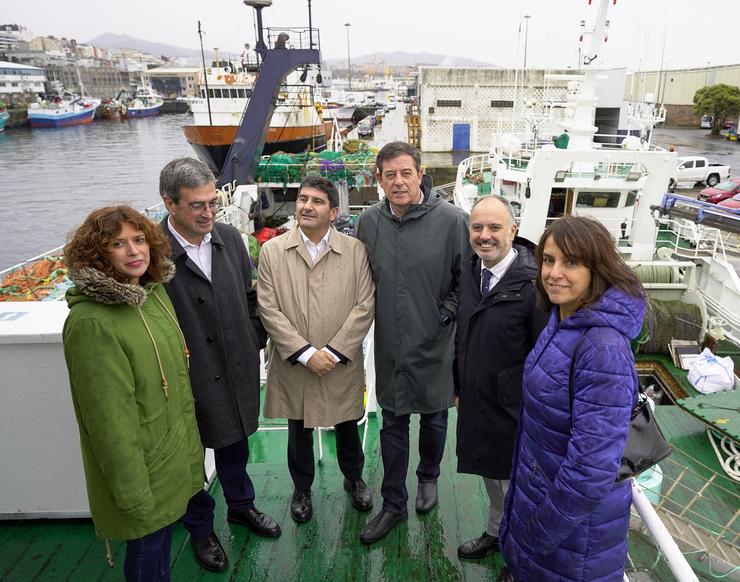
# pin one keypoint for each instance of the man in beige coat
(316, 300)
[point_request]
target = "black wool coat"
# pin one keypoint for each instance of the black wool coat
(494, 336)
(224, 335)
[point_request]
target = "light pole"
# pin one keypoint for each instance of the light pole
(349, 68)
(526, 37)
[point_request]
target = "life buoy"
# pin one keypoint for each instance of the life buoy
(230, 79)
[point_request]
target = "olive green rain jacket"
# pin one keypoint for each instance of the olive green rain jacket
(141, 451)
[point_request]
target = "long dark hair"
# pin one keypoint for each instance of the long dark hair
(86, 246)
(587, 241)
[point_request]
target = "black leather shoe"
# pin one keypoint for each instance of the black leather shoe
(209, 553)
(300, 506)
(362, 499)
(379, 526)
(426, 498)
(260, 523)
(480, 547)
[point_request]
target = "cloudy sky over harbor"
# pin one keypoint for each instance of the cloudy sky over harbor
(696, 33)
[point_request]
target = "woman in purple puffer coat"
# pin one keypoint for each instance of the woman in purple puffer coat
(565, 518)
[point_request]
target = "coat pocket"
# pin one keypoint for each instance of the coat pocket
(509, 390)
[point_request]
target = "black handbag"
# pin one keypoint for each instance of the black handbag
(646, 446)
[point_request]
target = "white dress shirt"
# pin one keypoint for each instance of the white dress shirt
(498, 270)
(421, 199)
(200, 254)
(315, 250)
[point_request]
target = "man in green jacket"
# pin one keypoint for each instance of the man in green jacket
(416, 244)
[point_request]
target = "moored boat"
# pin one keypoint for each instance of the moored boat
(296, 125)
(65, 111)
(4, 116)
(144, 103)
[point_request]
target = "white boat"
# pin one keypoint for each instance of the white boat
(145, 103)
(678, 245)
(296, 125)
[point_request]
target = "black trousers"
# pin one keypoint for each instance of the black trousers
(394, 448)
(300, 453)
(231, 468)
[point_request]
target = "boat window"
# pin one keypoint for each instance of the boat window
(203, 93)
(233, 93)
(449, 103)
(597, 199)
(500, 103)
(217, 93)
(700, 163)
(240, 93)
(631, 197)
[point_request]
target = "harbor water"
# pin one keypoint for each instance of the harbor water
(51, 179)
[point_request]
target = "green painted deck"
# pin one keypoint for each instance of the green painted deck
(326, 548)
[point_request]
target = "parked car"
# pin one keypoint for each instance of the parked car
(721, 191)
(365, 129)
(695, 169)
(706, 122)
(731, 203)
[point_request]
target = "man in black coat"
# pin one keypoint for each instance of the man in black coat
(217, 309)
(498, 323)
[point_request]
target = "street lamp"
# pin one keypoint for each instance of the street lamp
(349, 68)
(526, 37)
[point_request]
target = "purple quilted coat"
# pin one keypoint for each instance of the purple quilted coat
(564, 517)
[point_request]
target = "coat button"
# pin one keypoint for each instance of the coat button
(201, 300)
(209, 339)
(217, 378)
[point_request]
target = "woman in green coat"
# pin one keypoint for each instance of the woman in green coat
(128, 371)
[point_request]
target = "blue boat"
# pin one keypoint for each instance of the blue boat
(4, 116)
(145, 103)
(63, 111)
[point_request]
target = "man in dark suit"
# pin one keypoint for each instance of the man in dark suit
(217, 310)
(498, 323)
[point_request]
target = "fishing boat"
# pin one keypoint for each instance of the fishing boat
(62, 111)
(680, 249)
(144, 103)
(296, 124)
(4, 116)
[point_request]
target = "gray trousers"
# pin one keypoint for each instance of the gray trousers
(496, 489)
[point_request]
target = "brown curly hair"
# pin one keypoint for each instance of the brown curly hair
(86, 244)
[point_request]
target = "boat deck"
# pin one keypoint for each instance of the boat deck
(326, 548)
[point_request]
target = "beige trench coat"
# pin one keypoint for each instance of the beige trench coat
(327, 303)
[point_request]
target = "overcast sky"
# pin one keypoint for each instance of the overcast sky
(698, 32)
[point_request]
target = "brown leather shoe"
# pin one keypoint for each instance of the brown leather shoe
(209, 553)
(260, 523)
(362, 499)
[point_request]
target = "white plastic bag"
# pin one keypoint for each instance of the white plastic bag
(709, 374)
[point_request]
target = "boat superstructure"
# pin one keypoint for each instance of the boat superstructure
(681, 248)
(296, 124)
(144, 103)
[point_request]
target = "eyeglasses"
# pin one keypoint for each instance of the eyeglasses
(213, 205)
